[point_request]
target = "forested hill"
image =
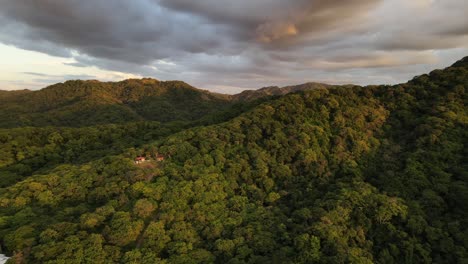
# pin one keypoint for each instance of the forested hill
(6, 94)
(463, 63)
(350, 174)
(84, 103)
(249, 95)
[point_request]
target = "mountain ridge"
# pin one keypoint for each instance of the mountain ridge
(129, 100)
(344, 174)
(347, 174)
(145, 99)
(268, 90)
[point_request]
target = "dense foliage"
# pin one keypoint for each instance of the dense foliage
(351, 174)
(25, 151)
(85, 103)
(275, 91)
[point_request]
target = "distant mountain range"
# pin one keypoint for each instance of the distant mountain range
(302, 174)
(276, 91)
(82, 103)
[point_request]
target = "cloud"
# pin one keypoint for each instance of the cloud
(378, 60)
(269, 32)
(243, 43)
(60, 77)
(268, 21)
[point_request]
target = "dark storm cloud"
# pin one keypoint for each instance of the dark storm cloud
(242, 43)
(137, 31)
(143, 30)
(274, 21)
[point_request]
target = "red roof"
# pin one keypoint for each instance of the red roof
(140, 158)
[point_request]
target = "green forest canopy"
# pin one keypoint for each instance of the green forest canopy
(351, 174)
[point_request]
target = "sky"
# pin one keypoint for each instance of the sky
(228, 46)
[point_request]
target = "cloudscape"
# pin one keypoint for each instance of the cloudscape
(228, 46)
(240, 131)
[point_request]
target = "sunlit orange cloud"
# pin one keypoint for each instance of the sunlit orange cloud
(271, 31)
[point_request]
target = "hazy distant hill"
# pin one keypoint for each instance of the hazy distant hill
(276, 91)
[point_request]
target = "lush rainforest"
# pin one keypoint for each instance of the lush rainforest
(87, 103)
(330, 174)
